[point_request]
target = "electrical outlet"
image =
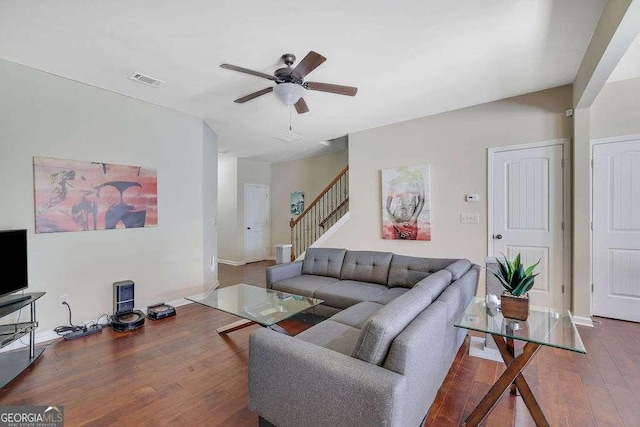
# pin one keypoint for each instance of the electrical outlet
(62, 299)
(470, 218)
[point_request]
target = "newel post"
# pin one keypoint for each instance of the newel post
(293, 244)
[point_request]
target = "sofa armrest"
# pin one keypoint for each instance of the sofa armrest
(296, 383)
(278, 272)
(459, 268)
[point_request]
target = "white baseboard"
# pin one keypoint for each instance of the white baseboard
(181, 301)
(45, 336)
(229, 262)
(174, 303)
(477, 349)
(583, 321)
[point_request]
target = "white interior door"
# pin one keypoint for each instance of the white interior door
(616, 230)
(256, 221)
(527, 215)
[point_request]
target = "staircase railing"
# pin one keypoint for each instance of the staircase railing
(325, 210)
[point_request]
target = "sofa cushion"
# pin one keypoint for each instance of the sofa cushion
(332, 335)
(456, 304)
(436, 283)
(325, 310)
(323, 262)
(380, 330)
(357, 315)
(389, 295)
(406, 271)
(366, 266)
(458, 268)
(345, 293)
(303, 285)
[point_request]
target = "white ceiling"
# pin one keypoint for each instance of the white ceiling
(408, 59)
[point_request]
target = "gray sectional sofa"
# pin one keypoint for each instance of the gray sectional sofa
(383, 353)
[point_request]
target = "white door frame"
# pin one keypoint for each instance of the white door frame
(593, 142)
(244, 220)
(566, 204)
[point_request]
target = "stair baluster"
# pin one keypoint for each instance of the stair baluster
(330, 205)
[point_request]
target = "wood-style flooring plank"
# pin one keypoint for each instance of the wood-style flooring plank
(251, 274)
(179, 371)
(486, 372)
(627, 404)
(602, 406)
(452, 411)
(522, 416)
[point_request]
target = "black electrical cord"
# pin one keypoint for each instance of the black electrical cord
(20, 339)
(18, 321)
(63, 330)
(108, 320)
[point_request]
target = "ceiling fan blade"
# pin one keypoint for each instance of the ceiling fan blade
(326, 87)
(247, 71)
(253, 95)
(301, 106)
(308, 64)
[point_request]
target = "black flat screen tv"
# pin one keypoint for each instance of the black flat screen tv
(13, 265)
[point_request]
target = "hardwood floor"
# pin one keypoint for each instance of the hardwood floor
(601, 388)
(251, 274)
(180, 371)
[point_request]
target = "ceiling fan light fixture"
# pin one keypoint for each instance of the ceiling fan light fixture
(290, 86)
(289, 93)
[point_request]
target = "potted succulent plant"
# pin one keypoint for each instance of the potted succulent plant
(517, 282)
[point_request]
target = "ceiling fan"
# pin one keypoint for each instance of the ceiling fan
(290, 85)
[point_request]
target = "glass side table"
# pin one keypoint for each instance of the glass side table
(545, 326)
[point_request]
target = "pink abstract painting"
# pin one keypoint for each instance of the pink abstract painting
(406, 203)
(73, 195)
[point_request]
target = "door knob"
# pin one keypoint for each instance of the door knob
(497, 236)
(249, 228)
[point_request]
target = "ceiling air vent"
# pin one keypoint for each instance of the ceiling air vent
(149, 81)
(288, 136)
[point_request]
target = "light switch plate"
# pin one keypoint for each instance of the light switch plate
(470, 218)
(472, 198)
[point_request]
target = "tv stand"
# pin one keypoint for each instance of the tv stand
(13, 363)
(12, 299)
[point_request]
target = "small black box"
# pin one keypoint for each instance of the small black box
(160, 311)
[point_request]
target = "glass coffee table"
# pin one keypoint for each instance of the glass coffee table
(253, 304)
(543, 327)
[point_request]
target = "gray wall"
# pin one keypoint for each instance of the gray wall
(455, 145)
(233, 174)
(615, 112)
(310, 175)
(45, 115)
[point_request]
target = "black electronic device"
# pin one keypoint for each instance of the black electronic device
(160, 311)
(127, 321)
(124, 317)
(123, 296)
(13, 265)
(90, 330)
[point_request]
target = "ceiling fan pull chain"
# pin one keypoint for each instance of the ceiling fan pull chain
(290, 128)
